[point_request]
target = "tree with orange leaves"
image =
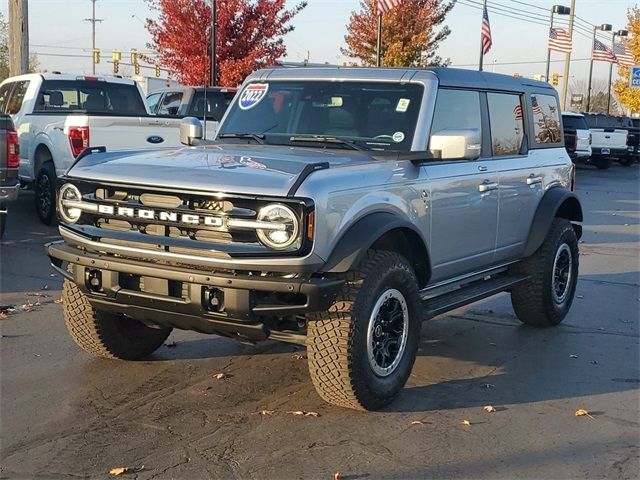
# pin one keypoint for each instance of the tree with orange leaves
(249, 35)
(409, 33)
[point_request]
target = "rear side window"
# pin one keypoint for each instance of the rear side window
(5, 91)
(170, 103)
(507, 127)
(90, 97)
(546, 119)
(16, 96)
(215, 105)
(574, 122)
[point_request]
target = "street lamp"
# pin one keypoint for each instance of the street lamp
(619, 33)
(560, 10)
(605, 27)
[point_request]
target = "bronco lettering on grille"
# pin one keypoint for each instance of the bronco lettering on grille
(161, 215)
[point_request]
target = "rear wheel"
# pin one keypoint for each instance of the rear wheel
(45, 188)
(627, 161)
(545, 298)
(361, 351)
(105, 334)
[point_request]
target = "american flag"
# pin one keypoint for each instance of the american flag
(535, 107)
(602, 52)
(518, 112)
(623, 54)
(560, 40)
(385, 5)
(485, 34)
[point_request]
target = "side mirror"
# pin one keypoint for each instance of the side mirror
(190, 131)
(457, 144)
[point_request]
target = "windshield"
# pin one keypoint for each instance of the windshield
(373, 115)
(574, 122)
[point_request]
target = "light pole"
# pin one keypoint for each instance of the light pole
(619, 33)
(605, 27)
(560, 10)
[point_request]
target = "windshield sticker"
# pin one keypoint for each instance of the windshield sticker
(398, 137)
(403, 105)
(252, 95)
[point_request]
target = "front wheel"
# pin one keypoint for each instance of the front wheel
(602, 163)
(46, 193)
(545, 298)
(105, 334)
(361, 351)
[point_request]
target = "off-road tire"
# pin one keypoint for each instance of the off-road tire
(602, 163)
(45, 188)
(105, 334)
(337, 339)
(533, 300)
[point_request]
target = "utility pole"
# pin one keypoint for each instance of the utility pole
(567, 58)
(93, 21)
(18, 37)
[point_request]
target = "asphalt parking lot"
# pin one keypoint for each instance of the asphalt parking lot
(67, 415)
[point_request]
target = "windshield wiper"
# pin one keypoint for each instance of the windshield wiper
(318, 139)
(258, 137)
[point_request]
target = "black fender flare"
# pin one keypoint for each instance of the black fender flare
(365, 232)
(556, 202)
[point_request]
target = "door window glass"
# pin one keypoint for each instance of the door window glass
(152, 101)
(546, 119)
(170, 103)
(507, 128)
(455, 110)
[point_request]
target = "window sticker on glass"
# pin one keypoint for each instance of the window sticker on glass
(252, 95)
(403, 105)
(398, 137)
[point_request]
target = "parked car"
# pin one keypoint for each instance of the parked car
(609, 139)
(577, 136)
(337, 208)
(204, 103)
(58, 116)
(633, 140)
(9, 161)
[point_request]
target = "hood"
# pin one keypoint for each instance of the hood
(252, 169)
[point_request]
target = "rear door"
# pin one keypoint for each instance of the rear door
(463, 193)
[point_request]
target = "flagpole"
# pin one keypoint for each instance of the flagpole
(613, 49)
(481, 45)
(379, 42)
(591, 70)
(546, 76)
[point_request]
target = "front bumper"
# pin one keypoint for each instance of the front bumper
(9, 193)
(179, 297)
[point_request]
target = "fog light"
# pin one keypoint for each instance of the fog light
(213, 300)
(93, 280)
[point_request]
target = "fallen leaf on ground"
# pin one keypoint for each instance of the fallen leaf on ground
(3, 315)
(466, 423)
(118, 471)
(337, 476)
(220, 376)
(488, 385)
(417, 422)
(171, 344)
(304, 413)
(45, 287)
(58, 300)
(489, 409)
(264, 413)
(573, 356)
(581, 412)
(298, 356)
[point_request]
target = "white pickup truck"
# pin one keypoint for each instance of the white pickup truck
(609, 139)
(57, 116)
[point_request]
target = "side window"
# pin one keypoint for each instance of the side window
(546, 119)
(456, 129)
(5, 91)
(14, 103)
(170, 103)
(152, 101)
(507, 127)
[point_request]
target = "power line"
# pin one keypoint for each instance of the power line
(527, 62)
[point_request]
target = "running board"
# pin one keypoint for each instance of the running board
(470, 293)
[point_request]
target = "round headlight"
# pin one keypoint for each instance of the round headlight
(285, 226)
(69, 193)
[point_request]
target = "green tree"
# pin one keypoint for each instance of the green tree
(410, 34)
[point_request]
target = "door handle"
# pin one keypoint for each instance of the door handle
(487, 187)
(534, 180)
(482, 168)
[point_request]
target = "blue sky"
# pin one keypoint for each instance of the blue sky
(57, 28)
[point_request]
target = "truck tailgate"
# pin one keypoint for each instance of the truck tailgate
(609, 138)
(124, 133)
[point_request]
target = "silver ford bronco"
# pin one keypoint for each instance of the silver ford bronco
(337, 208)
